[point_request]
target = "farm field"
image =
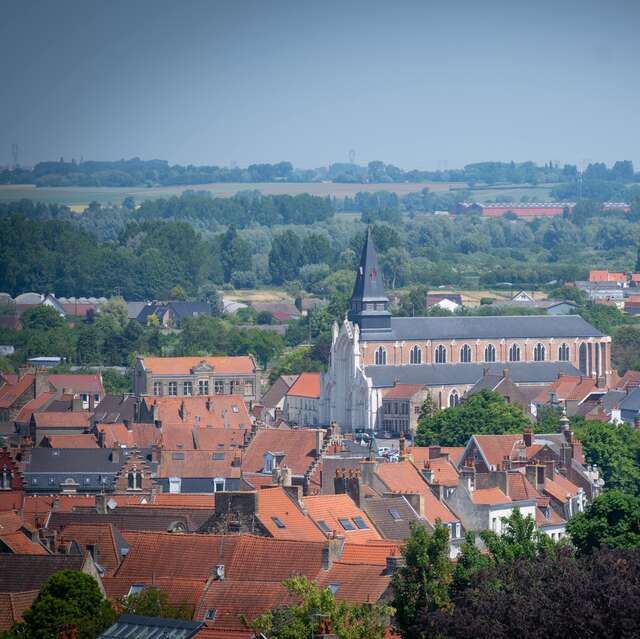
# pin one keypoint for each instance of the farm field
(79, 195)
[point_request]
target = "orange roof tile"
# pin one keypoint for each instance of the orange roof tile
(197, 463)
(606, 276)
(219, 438)
(403, 477)
(361, 583)
(184, 500)
(444, 472)
(552, 520)
(489, 496)
(78, 383)
(496, 447)
(223, 633)
(10, 522)
(276, 503)
(240, 365)
(62, 419)
(13, 605)
(420, 454)
(403, 391)
(9, 393)
(30, 407)
(84, 440)
(298, 446)
(307, 385)
(521, 488)
(20, 544)
(136, 436)
(102, 536)
(559, 487)
(568, 387)
(258, 480)
(179, 591)
(217, 411)
(332, 508)
(374, 552)
(11, 500)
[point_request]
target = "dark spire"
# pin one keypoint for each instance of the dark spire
(369, 302)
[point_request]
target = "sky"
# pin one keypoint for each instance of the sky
(416, 83)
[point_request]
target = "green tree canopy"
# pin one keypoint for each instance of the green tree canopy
(152, 602)
(41, 318)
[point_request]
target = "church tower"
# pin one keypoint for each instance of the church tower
(369, 307)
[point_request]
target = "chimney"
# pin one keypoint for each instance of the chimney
(236, 461)
(319, 439)
(101, 504)
(527, 437)
(435, 452)
(332, 551)
(76, 404)
(209, 404)
(427, 473)
(506, 463)
(402, 456)
(549, 469)
(505, 373)
(347, 482)
(115, 454)
(416, 500)
(127, 424)
(155, 414)
(531, 473)
(393, 563)
(41, 383)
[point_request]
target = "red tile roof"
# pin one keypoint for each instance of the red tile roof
(361, 583)
(332, 508)
(420, 454)
(275, 502)
(568, 387)
(13, 605)
(10, 522)
(38, 507)
(298, 446)
(223, 633)
(59, 419)
(217, 411)
(197, 463)
(102, 536)
(136, 436)
(496, 447)
(31, 407)
(179, 591)
(85, 440)
(219, 438)
(373, 552)
(403, 477)
(606, 276)
(11, 500)
(91, 384)
(20, 544)
(444, 472)
(9, 393)
(241, 365)
(559, 487)
(552, 520)
(307, 385)
(403, 391)
(489, 496)
(521, 488)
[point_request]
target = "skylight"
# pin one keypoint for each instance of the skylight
(394, 514)
(323, 526)
(360, 523)
(346, 523)
(278, 522)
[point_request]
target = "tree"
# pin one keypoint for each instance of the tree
(625, 349)
(316, 606)
(41, 318)
(285, 257)
(485, 412)
(414, 302)
(116, 309)
(428, 408)
(177, 293)
(67, 597)
(235, 253)
(423, 584)
(612, 519)
(152, 602)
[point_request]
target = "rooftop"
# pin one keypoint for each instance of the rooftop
(240, 365)
(307, 385)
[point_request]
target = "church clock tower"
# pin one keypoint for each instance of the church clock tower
(369, 307)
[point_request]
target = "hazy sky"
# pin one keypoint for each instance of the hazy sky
(417, 83)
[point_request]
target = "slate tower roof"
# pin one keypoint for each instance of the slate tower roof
(369, 303)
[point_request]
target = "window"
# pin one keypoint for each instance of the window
(441, 355)
(85, 401)
(395, 515)
(177, 456)
(334, 588)
(278, 522)
(490, 353)
(538, 353)
(91, 549)
(96, 399)
(218, 387)
(360, 523)
(134, 480)
(248, 388)
(457, 534)
(87, 481)
(322, 524)
(218, 456)
(5, 478)
(210, 615)
(157, 388)
(173, 389)
(563, 353)
(203, 387)
(465, 354)
(218, 485)
(514, 353)
(454, 398)
(135, 589)
(381, 357)
(583, 359)
(187, 388)
(235, 409)
(415, 356)
(175, 485)
(52, 481)
(346, 523)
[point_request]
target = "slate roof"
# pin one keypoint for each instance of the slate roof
(19, 573)
(632, 401)
(277, 390)
(453, 374)
(379, 511)
(136, 627)
(485, 327)
(57, 460)
(115, 408)
(369, 285)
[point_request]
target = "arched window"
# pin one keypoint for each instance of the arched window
(514, 353)
(130, 480)
(465, 354)
(538, 353)
(490, 353)
(134, 479)
(454, 398)
(381, 356)
(563, 353)
(441, 355)
(582, 356)
(415, 356)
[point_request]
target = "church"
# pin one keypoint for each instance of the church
(373, 352)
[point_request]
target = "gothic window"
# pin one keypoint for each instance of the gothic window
(441, 355)
(514, 353)
(563, 353)
(465, 354)
(583, 359)
(134, 480)
(538, 353)
(415, 356)
(490, 353)
(381, 356)
(454, 398)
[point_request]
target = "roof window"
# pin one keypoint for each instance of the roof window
(346, 523)
(360, 523)
(394, 514)
(323, 526)
(278, 522)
